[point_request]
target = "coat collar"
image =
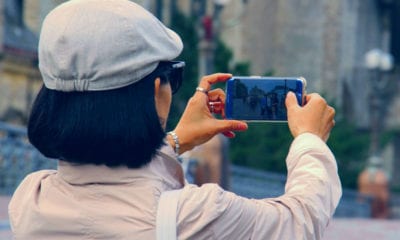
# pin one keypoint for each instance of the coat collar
(164, 167)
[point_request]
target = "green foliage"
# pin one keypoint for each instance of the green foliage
(350, 147)
(222, 62)
(263, 146)
(223, 58)
(186, 28)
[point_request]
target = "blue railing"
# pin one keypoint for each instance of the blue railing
(254, 183)
(18, 158)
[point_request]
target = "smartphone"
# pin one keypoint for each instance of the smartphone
(261, 98)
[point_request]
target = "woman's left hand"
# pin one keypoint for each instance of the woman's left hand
(197, 124)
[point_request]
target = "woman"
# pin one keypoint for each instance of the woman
(108, 82)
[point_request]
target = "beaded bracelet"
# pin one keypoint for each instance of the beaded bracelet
(176, 140)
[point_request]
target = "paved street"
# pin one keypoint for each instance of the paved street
(5, 233)
(363, 229)
(339, 229)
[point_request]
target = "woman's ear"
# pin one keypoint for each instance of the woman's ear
(162, 98)
(157, 83)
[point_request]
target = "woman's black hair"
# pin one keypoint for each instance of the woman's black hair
(117, 127)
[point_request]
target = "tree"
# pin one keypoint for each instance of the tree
(186, 28)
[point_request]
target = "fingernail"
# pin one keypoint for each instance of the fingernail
(290, 93)
(229, 134)
(241, 127)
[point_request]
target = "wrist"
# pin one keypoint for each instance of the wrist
(173, 140)
(184, 144)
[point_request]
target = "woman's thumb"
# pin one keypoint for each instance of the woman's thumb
(291, 100)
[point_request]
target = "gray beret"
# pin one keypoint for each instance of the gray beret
(94, 45)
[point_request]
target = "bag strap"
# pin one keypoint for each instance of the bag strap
(166, 215)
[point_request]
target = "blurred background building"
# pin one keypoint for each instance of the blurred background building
(18, 63)
(327, 43)
(324, 41)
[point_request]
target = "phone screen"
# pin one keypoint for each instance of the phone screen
(261, 98)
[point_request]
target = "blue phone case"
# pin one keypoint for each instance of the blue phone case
(261, 98)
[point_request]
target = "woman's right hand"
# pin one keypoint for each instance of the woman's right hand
(316, 116)
(198, 124)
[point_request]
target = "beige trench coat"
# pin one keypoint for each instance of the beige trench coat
(96, 202)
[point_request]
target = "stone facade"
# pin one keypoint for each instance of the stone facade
(19, 79)
(1, 29)
(324, 41)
